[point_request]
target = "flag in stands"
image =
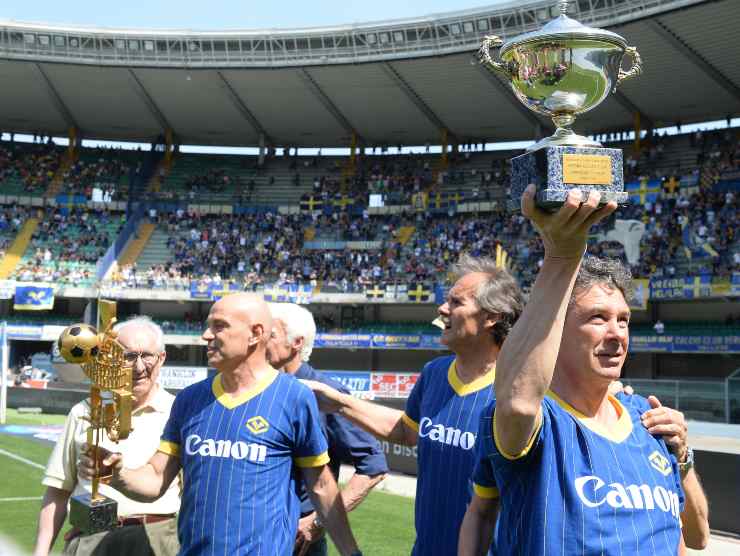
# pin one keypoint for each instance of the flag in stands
(376, 292)
(275, 293)
(34, 298)
(419, 293)
(311, 203)
(697, 286)
(644, 191)
(200, 289)
(300, 293)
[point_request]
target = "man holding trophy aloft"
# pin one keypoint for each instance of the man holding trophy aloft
(579, 471)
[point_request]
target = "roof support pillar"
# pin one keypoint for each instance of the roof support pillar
(328, 104)
(414, 97)
(149, 102)
(697, 59)
(242, 108)
(56, 98)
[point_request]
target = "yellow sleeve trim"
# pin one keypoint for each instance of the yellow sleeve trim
(170, 448)
(410, 422)
(312, 461)
(485, 492)
(530, 442)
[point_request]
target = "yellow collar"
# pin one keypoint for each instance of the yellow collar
(619, 432)
(229, 401)
(463, 389)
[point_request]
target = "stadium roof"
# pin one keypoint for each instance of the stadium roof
(396, 82)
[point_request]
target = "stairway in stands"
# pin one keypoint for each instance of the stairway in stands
(136, 245)
(14, 254)
(155, 252)
(55, 186)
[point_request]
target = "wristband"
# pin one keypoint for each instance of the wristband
(686, 466)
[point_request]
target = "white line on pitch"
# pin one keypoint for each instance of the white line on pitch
(21, 459)
(21, 499)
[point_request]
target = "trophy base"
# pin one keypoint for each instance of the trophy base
(92, 516)
(555, 170)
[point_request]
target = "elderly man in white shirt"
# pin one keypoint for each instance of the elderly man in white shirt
(143, 529)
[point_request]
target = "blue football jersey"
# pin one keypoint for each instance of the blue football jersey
(580, 488)
(237, 455)
(445, 413)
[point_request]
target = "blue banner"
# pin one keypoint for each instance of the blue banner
(342, 340)
(668, 343)
(201, 290)
(357, 382)
(404, 341)
(379, 341)
(34, 298)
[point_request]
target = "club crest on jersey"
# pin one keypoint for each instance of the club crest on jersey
(257, 424)
(660, 463)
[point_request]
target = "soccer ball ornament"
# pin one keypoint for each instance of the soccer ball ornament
(79, 343)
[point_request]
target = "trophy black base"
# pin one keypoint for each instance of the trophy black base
(555, 170)
(93, 516)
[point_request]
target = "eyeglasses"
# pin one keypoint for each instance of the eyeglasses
(130, 357)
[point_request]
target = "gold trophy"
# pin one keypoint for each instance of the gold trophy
(111, 397)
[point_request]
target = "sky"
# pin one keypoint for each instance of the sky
(225, 14)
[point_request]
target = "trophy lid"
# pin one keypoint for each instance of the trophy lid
(565, 28)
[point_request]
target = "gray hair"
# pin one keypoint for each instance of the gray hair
(498, 294)
(611, 273)
(298, 323)
(144, 322)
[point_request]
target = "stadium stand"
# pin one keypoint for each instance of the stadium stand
(28, 168)
(67, 245)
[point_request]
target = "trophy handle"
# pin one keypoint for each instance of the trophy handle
(636, 68)
(492, 41)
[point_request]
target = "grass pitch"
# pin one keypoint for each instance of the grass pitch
(383, 525)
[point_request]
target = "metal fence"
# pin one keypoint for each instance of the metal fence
(717, 401)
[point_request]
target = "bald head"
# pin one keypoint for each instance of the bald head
(239, 327)
(248, 306)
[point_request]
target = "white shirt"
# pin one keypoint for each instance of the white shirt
(148, 423)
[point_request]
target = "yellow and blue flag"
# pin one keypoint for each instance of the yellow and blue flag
(644, 191)
(34, 298)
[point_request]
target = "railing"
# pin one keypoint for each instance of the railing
(387, 40)
(717, 401)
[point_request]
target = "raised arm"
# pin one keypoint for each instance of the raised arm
(324, 493)
(526, 363)
(383, 422)
(143, 484)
